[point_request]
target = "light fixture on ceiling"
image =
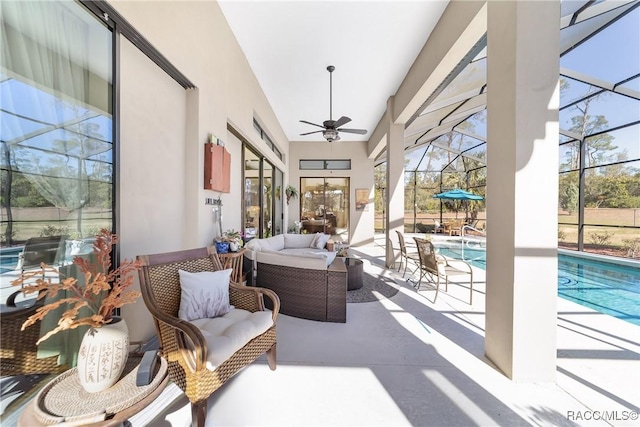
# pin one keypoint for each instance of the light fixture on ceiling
(331, 127)
(331, 135)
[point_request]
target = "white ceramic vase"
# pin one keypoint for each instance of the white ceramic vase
(103, 355)
(233, 247)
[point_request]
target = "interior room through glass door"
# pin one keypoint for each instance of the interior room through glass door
(324, 206)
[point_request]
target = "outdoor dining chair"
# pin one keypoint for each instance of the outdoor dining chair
(37, 250)
(437, 266)
(406, 255)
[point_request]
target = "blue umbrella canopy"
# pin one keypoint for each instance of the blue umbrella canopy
(458, 194)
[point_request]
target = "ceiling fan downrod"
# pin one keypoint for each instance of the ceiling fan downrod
(330, 68)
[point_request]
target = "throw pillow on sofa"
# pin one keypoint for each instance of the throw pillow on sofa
(293, 241)
(204, 294)
(319, 241)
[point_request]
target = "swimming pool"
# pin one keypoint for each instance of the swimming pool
(603, 286)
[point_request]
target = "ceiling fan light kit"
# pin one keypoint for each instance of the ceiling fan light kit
(331, 128)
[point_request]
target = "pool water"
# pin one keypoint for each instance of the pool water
(602, 286)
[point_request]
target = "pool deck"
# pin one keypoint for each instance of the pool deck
(407, 361)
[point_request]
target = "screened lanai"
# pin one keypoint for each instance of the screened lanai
(446, 143)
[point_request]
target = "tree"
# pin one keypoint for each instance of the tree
(569, 195)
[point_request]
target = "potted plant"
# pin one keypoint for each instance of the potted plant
(90, 302)
(291, 192)
(233, 238)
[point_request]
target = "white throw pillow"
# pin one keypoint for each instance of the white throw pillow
(314, 242)
(319, 241)
(293, 241)
(204, 294)
(323, 241)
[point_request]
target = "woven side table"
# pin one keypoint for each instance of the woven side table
(64, 400)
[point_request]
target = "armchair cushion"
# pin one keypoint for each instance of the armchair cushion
(229, 333)
(204, 294)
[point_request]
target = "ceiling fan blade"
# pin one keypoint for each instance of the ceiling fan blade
(341, 121)
(309, 123)
(358, 131)
(309, 133)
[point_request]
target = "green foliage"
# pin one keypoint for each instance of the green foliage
(53, 230)
(632, 246)
(561, 235)
(50, 230)
(3, 236)
(600, 239)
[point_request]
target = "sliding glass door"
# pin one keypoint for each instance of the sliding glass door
(262, 196)
(56, 110)
(324, 206)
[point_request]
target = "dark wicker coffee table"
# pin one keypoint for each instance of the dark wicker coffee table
(354, 273)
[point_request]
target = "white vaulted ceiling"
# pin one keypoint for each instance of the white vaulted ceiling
(289, 45)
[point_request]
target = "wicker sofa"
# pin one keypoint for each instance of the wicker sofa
(310, 282)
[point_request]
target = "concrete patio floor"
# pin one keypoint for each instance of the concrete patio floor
(407, 361)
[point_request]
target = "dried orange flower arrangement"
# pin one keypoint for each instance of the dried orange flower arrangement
(103, 291)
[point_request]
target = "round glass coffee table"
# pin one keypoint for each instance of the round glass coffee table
(354, 273)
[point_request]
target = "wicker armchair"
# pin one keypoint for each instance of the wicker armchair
(181, 342)
(18, 350)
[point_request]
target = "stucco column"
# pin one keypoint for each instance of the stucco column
(395, 182)
(522, 187)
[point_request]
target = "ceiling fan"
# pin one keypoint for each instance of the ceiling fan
(331, 128)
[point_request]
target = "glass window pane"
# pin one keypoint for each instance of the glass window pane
(433, 114)
(569, 156)
(278, 203)
(613, 241)
(56, 98)
(325, 206)
(568, 198)
(267, 198)
(612, 147)
(568, 237)
(412, 158)
(251, 194)
(478, 124)
(615, 187)
(471, 79)
(571, 90)
(338, 164)
(478, 180)
(311, 164)
(605, 111)
(612, 54)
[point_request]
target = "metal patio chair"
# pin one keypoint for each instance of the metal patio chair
(438, 266)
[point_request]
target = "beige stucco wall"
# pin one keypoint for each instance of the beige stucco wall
(163, 129)
(361, 176)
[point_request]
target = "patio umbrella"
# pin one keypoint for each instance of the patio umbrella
(457, 194)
